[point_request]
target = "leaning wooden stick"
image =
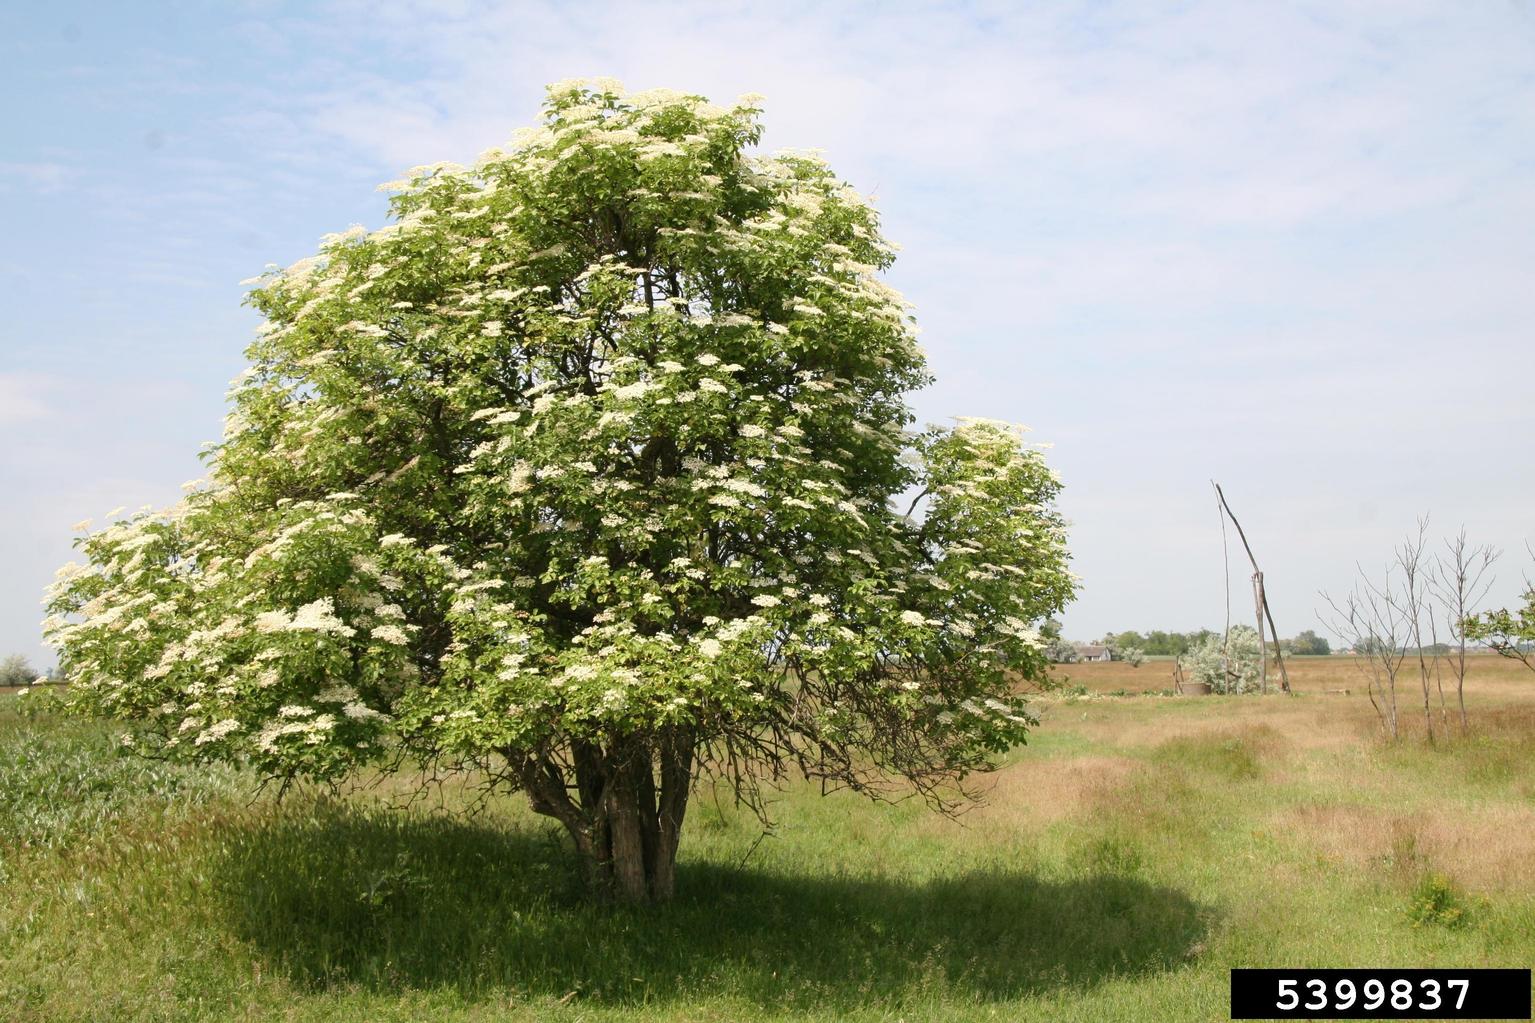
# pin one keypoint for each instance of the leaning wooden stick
(1260, 598)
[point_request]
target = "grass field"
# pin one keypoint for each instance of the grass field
(1119, 865)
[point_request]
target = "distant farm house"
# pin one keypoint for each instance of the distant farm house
(1093, 653)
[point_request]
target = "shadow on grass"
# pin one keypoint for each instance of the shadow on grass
(352, 898)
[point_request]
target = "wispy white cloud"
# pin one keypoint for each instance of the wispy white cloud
(43, 176)
(21, 398)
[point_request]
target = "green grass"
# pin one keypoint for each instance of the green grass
(61, 784)
(135, 891)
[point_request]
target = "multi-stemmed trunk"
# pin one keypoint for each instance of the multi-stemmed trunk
(623, 808)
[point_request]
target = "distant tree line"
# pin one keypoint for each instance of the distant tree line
(1132, 646)
(1158, 643)
(1376, 645)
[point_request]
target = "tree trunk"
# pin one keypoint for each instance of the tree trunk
(1460, 686)
(676, 782)
(626, 817)
(627, 866)
(1395, 733)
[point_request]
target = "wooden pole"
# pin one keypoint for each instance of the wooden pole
(1263, 647)
(1220, 516)
(1260, 599)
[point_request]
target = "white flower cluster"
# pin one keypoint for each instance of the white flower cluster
(316, 616)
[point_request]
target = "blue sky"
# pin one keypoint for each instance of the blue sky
(1289, 247)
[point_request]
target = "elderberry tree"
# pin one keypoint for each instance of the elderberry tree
(593, 471)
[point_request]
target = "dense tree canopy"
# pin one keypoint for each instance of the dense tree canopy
(1307, 643)
(584, 471)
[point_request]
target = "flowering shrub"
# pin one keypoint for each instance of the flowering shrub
(1234, 666)
(582, 471)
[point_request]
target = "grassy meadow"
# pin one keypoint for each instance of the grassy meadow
(1137, 848)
